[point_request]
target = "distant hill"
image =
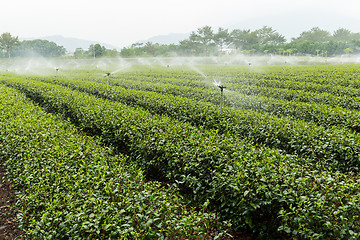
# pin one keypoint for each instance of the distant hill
(171, 38)
(70, 44)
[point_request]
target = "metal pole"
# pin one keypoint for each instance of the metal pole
(221, 100)
(108, 79)
(221, 96)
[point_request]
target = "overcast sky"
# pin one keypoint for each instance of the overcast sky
(122, 23)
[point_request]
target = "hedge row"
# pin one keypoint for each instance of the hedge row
(336, 146)
(255, 187)
(272, 83)
(320, 113)
(335, 75)
(339, 80)
(316, 79)
(346, 102)
(68, 187)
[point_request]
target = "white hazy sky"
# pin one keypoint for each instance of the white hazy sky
(124, 22)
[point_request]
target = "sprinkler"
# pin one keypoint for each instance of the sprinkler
(57, 71)
(221, 98)
(108, 79)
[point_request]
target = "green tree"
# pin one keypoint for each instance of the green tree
(136, 49)
(355, 43)
(205, 36)
(348, 50)
(126, 52)
(355, 36)
(188, 47)
(222, 38)
(112, 53)
(96, 50)
(79, 53)
(37, 47)
(314, 35)
(281, 51)
(267, 35)
(343, 35)
(151, 48)
(290, 51)
(7, 42)
(243, 39)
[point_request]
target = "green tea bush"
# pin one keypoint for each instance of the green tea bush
(254, 186)
(241, 92)
(69, 187)
(338, 146)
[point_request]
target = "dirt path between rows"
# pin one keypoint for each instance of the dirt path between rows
(8, 227)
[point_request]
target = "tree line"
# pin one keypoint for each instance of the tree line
(205, 42)
(11, 46)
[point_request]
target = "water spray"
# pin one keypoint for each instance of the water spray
(221, 97)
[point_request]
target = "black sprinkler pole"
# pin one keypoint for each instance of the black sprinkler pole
(108, 79)
(221, 98)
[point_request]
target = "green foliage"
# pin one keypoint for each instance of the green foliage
(204, 36)
(243, 38)
(221, 159)
(204, 42)
(147, 50)
(266, 36)
(69, 187)
(38, 47)
(96, 50)
(222, 38)
(343, 34)
(276, 132)
(7, 42)
(303, 137)
(315, 34)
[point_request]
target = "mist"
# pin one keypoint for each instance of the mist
(45, 66)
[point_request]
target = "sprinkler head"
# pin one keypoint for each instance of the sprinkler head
(107, 74)
(221, 87)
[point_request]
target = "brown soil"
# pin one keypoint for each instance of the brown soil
(8, 227)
